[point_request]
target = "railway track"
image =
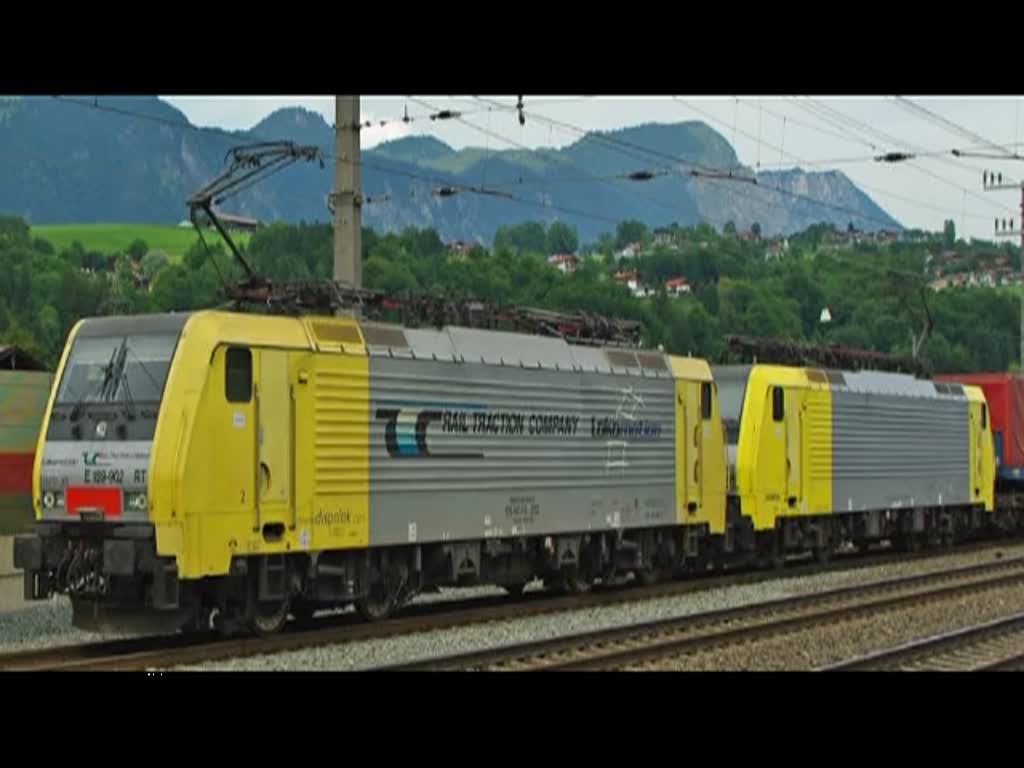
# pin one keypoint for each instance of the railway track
(632, 646)
(138, 654)
(992, 646)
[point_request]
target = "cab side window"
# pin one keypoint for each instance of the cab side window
(984, 416)
(778, 404)
(705, 400)
(238, 375)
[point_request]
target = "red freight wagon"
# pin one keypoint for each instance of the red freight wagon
(24, 390)
(1005, 395)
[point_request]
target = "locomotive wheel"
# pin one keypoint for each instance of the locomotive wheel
(574, 582)
(377, 606)
(647, 577)
(268, 618)
(384, 595)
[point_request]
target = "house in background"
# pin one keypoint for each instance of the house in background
(459, 249)
(677, 286)
(564, 262)
(630, 280)
(631, 251)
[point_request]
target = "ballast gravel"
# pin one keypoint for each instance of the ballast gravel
(42, 626)
(364, 655)
(49, 624)
(823, 646)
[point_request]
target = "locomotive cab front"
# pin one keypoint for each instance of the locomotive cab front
(94, 537)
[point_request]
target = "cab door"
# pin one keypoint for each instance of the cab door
(273, 438)
(712, 458)
(683, 452)
(231, 489)
(688, 425)
(794, 452)
(981, 456)
(772, 468)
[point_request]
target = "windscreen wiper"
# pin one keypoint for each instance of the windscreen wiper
(104, 385)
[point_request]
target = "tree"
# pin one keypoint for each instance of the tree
(527, 237)
(97, 261)
(605, 244)
(629, 231)
(949, 233)
(43, 246)
(562, 238)
(152, 262)
(75, 255)
(756, 229)
(13, 229)
(729, 230)
(137, 250)
(42, 294)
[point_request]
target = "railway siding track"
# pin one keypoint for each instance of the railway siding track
(991, 646)
(139, 654)
(629, 646)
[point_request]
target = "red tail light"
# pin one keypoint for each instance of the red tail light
(105, 498)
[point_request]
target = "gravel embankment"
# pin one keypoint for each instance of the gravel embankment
(49, 624)
(364, 654)
(820, 646)
(42, 626)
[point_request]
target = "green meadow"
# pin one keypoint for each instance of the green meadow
(111, 238)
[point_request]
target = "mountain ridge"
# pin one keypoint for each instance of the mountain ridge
(62, 162)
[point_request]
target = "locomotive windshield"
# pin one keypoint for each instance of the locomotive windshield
(125, 368)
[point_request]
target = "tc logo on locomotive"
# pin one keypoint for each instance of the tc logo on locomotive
(405, 434)
(94, 459)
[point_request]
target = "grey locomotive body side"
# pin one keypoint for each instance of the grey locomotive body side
(898, 442)
(467, 448)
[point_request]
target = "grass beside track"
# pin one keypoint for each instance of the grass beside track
(114, 238)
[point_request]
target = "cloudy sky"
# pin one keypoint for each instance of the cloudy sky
(815, 134)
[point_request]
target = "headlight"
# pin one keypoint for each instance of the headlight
(137, 501)
(48, 500)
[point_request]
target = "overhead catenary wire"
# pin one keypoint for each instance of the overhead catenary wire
(629, 149)
(859, 128)
(451, 189)
(916, 167)
(640, 175)
(780, 190)
(847, 137)
(240, 137)
(865, 129)
(625, 147)
(794, 121)
(440, 184)
(953, 127)
(950, 126)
